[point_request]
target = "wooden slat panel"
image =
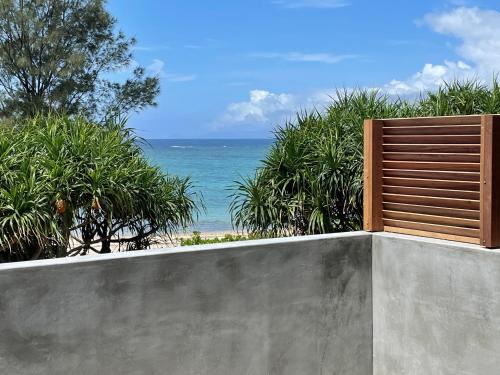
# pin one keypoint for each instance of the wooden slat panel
(442, 149)
(436, 211)
(432, 139)
(439, 177)
(447, 158)
(444, 193)
(440, 236)
(466, 204)
(372, 192)
(430, 166)
(457, 231)
(430, 219)
(457, 176)
(434, 130)
(432, 184)
(429, 121)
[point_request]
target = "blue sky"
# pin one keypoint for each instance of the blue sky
(236, 68)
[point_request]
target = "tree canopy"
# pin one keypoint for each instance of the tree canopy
(59, 55)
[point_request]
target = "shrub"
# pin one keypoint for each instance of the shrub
(196, 239)
(69, 186)
(311, 180)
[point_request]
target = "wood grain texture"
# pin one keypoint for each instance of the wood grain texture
(466, 204)
(435, 211)
(456, 231)
(429, 121)
(432, 219)
(490, 181)
(440, 236)
(372, 193)
(444, 193)
(432, 184)
(432, 157)
(432, 139)
(433, 175)
(435, 148)
(432, 166)
(434, 130)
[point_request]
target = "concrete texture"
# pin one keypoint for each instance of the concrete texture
(290, 306)
(436, 307)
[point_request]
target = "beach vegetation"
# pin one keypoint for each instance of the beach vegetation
(197, 238)
(69, 186)
(311, 180)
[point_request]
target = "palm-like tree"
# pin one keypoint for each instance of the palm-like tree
(69, 186)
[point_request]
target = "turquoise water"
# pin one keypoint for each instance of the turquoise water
(213, 165)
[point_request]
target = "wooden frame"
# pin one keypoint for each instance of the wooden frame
(372, 193)
(435, 177)
(490, 181)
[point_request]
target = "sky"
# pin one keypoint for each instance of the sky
(239, 68)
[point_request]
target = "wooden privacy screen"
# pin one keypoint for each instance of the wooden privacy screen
(434, 177)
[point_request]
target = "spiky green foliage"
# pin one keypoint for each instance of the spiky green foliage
(311, 179)
(68, 186)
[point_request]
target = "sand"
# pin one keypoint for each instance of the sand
(164, 241)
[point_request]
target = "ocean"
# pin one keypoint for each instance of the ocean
(213, 165)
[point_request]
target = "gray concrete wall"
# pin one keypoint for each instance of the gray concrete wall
(436, 307)
(290, 306)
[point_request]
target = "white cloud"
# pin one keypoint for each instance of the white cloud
(157, 68)
(294, 4)
(429, 78)
(259, 107)
(478, 33)
(325, 58)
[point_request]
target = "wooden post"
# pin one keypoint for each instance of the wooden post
(372, 193)
(490, 181)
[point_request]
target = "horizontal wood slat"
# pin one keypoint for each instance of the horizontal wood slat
(434, 130)
(430, 219)
(457, 176)
(466, 204)
(444, 193)
(431, 166)
(435, 148)
(435, 211)
(465, 232)
(446, 158)
(429, 121)
(432, 184)
(432, 139)
(441, 236)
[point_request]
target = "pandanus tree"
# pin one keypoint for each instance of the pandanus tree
(311, 180)
(69, 187)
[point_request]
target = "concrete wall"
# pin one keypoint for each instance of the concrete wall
(290, 306)
(436, 307)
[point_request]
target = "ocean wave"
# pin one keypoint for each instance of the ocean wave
(182, 146)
